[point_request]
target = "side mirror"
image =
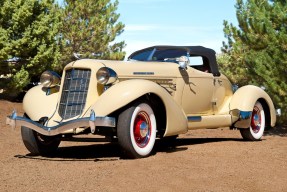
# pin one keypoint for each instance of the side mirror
(183, 62)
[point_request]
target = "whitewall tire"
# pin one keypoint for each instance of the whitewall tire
(136, 130)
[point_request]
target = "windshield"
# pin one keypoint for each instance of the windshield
(142, 56)
(158, 54)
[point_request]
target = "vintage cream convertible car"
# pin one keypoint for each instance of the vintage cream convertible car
(161, 91)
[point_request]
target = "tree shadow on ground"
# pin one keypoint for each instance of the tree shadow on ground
(113, 152)
(12, 98)
(277, 131)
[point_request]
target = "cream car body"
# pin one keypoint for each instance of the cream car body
(181, 96)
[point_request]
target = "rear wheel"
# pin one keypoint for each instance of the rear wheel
(136, 130)
(39, 144)
(257, 126)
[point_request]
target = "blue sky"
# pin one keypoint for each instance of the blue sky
(174, 22)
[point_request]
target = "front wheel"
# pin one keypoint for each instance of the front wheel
(39, 144)
(136, 130)
(257, 126)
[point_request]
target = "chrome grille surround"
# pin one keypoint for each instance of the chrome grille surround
(74, 92)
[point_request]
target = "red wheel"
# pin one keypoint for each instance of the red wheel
(142, 129)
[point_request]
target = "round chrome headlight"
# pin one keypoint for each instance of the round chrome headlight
(50, 79)
(106, 76)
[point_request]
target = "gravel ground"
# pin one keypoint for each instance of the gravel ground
(201, 160)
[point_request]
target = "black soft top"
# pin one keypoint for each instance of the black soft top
(207, 54)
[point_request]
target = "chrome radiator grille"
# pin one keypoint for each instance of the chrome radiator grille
(74, 93)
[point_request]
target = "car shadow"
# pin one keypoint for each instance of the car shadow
(89, 152)
(180, 144)
(112, 151)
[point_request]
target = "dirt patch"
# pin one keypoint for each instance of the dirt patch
(201, 160)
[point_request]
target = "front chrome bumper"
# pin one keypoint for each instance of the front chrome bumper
(92, 121)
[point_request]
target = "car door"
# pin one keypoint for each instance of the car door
(222, 93)
(198, 92)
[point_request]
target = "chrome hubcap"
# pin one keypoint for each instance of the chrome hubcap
(143, 129)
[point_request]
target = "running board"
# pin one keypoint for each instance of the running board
(209, 121)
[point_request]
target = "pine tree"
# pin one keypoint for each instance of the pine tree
(90, 28)
(257, 49)
(28, 31)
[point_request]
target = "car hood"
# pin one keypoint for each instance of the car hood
(132, 69)
(135, 69)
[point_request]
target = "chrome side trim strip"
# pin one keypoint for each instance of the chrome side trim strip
(15, 120)
(143, 73)
(194, 118)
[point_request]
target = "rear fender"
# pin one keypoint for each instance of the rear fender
(243, 101)
(123, 93)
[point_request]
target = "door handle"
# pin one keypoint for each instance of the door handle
(219, 82)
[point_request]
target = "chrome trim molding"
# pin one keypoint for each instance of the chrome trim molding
(143, 73)
(92, 121)
(194, 118)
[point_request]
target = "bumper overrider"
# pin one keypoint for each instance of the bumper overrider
(13, 120)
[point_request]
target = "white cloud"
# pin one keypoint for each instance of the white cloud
(141, 36)
(143, 1)
(191, 30)
(139, 27)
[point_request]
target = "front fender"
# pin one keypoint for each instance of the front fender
(123, 93)
(37, 103)
(245, 98)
